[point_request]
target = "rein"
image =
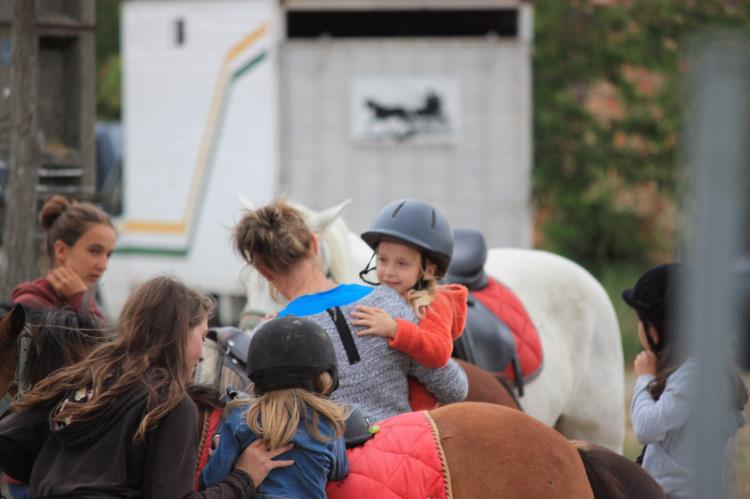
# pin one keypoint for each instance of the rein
(23, 345)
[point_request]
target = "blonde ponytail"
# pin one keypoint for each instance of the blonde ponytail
(274, 416)
(422, 298)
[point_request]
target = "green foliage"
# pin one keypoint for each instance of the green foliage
(108, 89)
(594, 233)
(108, 62)
(625, 57)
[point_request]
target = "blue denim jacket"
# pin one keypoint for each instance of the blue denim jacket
(315, 462)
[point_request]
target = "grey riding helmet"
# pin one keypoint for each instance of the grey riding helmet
(417, 224)
(290, 352)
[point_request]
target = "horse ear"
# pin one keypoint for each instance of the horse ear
(17, 319)
(245, 203)
(319, 222)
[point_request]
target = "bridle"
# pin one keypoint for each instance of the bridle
(17, 387)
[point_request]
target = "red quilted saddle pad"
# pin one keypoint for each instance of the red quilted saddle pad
(504, 303)
(403, 460)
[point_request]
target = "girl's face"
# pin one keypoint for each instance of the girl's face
(89, 256)
(194, 347)
(400, 267)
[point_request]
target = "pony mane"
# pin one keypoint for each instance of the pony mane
(338, 245)
(58, 338)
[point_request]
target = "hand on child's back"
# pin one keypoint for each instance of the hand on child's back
(645, 363)
(376, 321)
(257, 460)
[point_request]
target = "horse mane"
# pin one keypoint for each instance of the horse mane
(58, 338)
(339, 252)
(509, 387)
(205, 397)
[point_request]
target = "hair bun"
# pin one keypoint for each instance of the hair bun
(52, 209)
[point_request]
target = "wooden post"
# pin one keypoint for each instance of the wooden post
(20, 221)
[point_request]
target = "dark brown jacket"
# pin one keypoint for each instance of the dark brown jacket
(100, 458)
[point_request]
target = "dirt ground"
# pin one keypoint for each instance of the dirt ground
(740, 463)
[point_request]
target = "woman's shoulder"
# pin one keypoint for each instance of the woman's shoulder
(390, 301)
(34, 293)
(315, 303)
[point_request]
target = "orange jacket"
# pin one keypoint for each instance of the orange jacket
(430, 342)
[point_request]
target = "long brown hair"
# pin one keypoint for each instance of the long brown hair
(66, 220)
(147, 353)
(274, 237)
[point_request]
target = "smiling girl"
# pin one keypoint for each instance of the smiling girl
(413, 245)
(79, 241)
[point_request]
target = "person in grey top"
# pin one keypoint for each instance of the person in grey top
(662, 410)
(278, 243)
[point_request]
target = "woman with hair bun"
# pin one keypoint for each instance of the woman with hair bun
(277, 242)
(79, 241)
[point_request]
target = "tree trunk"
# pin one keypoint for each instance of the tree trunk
(18, 259)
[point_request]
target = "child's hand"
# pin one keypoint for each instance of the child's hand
(257, 460)
(66, 282)
(377, 321)
(645, 363)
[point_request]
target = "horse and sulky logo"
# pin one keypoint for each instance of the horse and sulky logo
(404, 112)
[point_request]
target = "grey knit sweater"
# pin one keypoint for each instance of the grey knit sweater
(377, 383)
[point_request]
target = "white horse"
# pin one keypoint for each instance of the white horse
(580, 389)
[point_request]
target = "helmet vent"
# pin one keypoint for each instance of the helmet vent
(432, 225)
(398, 208)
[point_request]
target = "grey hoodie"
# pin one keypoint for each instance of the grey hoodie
(665, 425)
(378, 382)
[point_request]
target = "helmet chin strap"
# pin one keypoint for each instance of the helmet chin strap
(369, 268)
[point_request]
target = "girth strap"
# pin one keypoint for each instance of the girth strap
(345, 334)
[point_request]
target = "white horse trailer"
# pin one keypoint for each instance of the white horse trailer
(382, 100)
(199, 118)
(322, 101)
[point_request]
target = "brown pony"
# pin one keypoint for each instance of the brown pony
(11, 324)
(494, 451)
(614, 476)
(58, 338)
(610, 475)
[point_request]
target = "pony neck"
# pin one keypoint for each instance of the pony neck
(304, 279)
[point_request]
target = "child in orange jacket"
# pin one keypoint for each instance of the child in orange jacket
(413, 243)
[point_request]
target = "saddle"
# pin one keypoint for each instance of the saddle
(233, 344)
(487, 341)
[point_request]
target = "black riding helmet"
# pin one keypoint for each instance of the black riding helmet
(290, 352)
(417, 224)
(654, 296)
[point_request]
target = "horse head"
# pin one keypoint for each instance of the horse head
(342, 255)
(12, 321)
(57, 338)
